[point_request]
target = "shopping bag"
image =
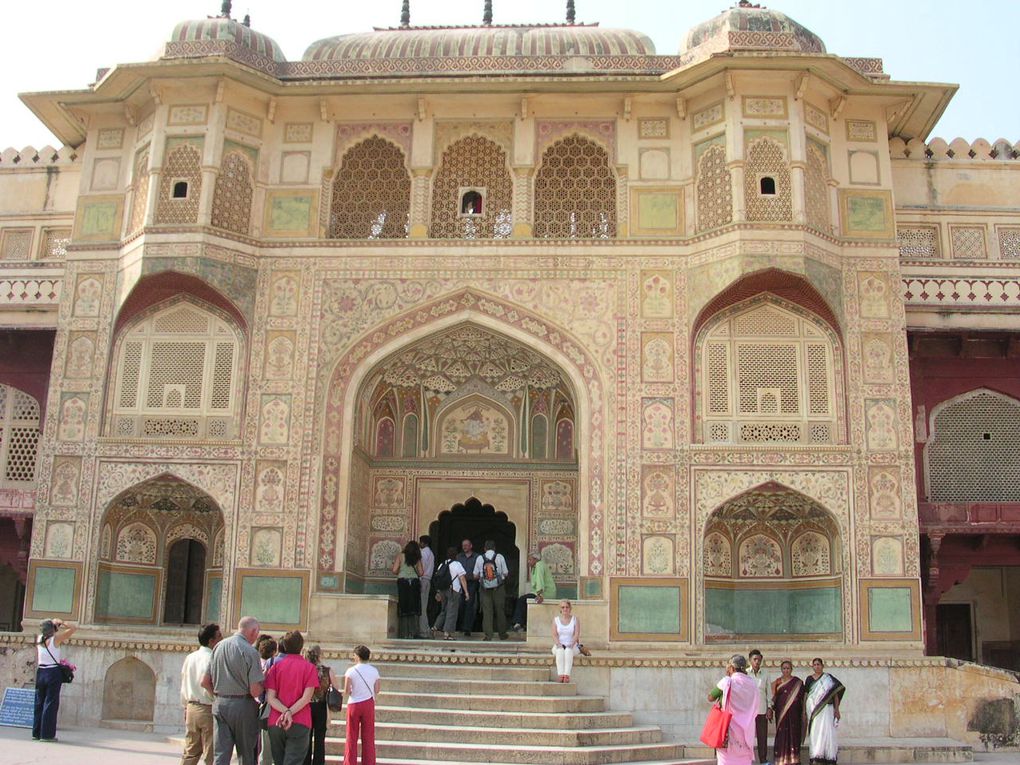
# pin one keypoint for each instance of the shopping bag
(716, 727)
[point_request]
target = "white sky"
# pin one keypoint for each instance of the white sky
(59, 45)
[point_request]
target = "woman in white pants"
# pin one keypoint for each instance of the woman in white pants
(566, 639)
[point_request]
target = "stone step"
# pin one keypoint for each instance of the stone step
(481, 718)
(337, 759)
(510, 736)
(465, 671)
(401, 751)
(496, 703)
(460, 687)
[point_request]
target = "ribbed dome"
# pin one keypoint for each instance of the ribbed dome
(447, 42)
(751, 27)
(227, 30)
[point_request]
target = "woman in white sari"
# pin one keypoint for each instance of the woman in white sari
(824, 693)
(739, 695)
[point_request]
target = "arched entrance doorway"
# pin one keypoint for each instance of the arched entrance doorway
(478, 522)
(160, 556)
(462, 414)
(773, 568)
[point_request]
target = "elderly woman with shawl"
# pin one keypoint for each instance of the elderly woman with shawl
(824, 693)
(738, 694)
(788, 706)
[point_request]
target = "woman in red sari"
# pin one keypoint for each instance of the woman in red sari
(788, 705)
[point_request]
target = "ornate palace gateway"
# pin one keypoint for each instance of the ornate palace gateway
(717, 333)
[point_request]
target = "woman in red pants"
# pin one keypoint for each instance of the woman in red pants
(361, 685)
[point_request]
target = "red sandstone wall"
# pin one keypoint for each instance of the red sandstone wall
(25, 360)
(934, 380)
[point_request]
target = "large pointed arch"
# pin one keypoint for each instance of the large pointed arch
(336, 436)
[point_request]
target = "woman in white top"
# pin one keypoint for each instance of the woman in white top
(566, 639)
(361, 685)
(48, 677)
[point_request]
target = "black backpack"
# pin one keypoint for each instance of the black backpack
(442, 579)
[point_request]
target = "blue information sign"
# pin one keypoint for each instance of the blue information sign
(17, 707)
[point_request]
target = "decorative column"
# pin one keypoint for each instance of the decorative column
(212, 155)
(523, 207)
(420, 181)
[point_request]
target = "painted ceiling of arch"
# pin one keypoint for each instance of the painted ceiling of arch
(771, 506)
(166, 496)
(448, 360)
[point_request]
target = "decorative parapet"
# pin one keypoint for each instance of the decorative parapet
(971, 517)
(47, 156)
(19, 291)
(956, 292)
(938, 150)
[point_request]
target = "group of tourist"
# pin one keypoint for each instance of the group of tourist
(231, 687)
(810, 706)
(461, 582)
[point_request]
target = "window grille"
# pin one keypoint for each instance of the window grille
(471, 162)
(176, 369)
(766, 159)
(575, 191)
(715, 195)
(232, 197)
(183, 164)
(19, 436)
(371, 193)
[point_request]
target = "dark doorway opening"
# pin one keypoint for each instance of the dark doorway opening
(185, 580)
(477, 522)
(955, 630)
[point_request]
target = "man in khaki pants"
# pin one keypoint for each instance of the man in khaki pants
(196, 700)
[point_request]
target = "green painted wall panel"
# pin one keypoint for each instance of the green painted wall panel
(53, 591)
(213, 598)
(773, 612)
(649, 609)
(889, 610)
(272, 599)
(128, 596)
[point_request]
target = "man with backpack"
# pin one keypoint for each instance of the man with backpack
(491, 572)
(449, 581)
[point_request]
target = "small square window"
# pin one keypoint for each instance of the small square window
(767, 186)
(472, 202)
(180, 190)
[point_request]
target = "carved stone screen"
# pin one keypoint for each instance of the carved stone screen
(19, 436)
(575, 191)
(371, 193)
(233, 195)
(478, 163)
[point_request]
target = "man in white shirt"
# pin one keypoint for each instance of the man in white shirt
(428, 564)
(449, 595)
(761, 723)
(491, 572)
(196, 700)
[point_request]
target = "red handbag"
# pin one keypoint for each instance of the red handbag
(716, 727)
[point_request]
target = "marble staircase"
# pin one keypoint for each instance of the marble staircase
(461, 705)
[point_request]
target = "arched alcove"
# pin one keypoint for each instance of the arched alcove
(129, 691)
(773, 568)
(160, 555)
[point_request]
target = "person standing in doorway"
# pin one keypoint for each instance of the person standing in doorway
(469, 599)
(197, 701)
(235, 680)
(542, 586)
(451, 584)
(361, 685)
(428, 565)
(491, 573)
(764, 715)
(48, 677)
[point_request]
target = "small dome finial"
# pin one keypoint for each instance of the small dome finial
(487, 14)
(247, 20)
(405, 14)
(225, 9)
(571, 16)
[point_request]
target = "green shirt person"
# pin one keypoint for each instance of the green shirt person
(542, 586)
(542, 583)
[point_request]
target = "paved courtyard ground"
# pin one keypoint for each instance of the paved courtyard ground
(80, 746)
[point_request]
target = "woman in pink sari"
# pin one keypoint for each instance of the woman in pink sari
(738, 695)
